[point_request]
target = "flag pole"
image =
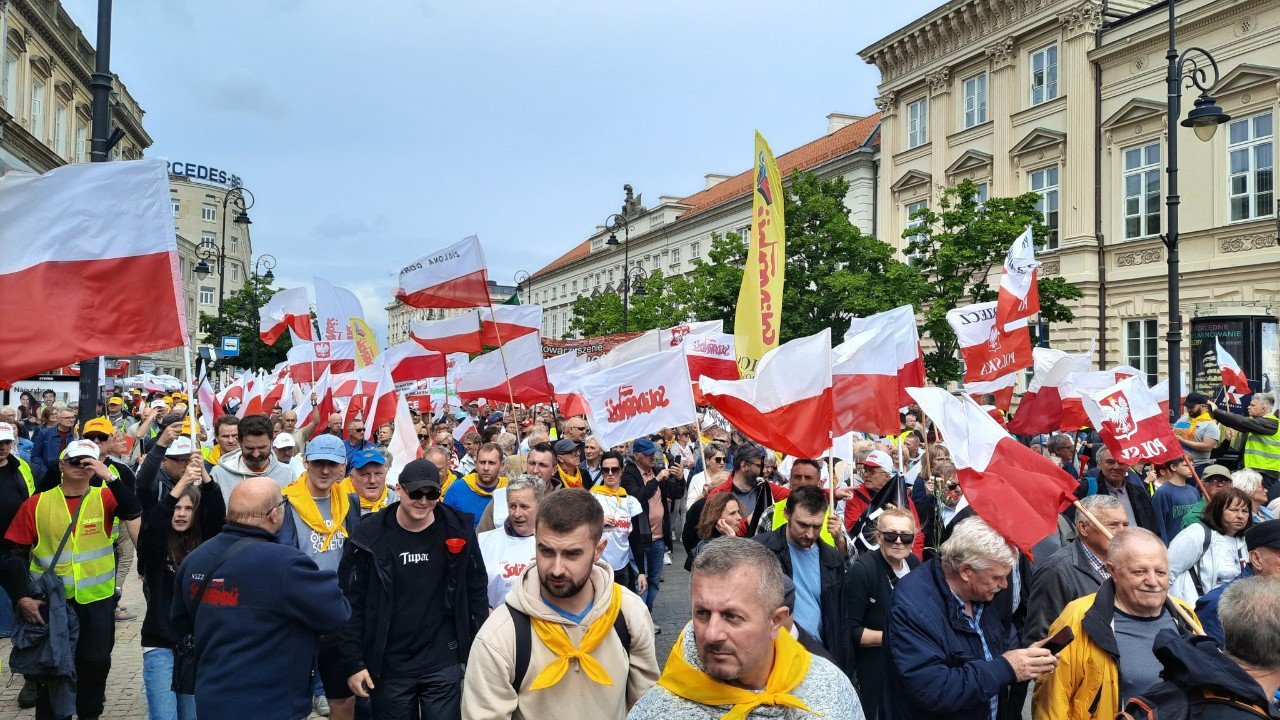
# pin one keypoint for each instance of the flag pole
(192, 397)
(501, 352)
(831, 472)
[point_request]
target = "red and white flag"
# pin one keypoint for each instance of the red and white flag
(1019, 294)
(280, 394)
(381, 405)
(864, 383)
(1001, 387)
(989, 349)
(252, 403)
(78, 241)
(1075, 386)
(410, 361)
(639, 397)
(210, 408)
(451, 277)
(1128, 419)
(504, 323)
(325, 406)
(404, 446)
(654, 341)
(711, 354)
(1232, 374)
(335, 307)
(564, 372)
(1016, 490)
(459, 334)
(308, 361)
(898, 326)
(233, 395)
(787, 405)
(1040, 410)
(287, 309)
(524, 379)
(464, 427)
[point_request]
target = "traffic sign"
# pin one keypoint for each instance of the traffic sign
(230, 346)
(147, 366)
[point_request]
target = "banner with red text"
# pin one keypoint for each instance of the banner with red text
(989, 350)
(1129, 420)
(639, 397)
(759, 315)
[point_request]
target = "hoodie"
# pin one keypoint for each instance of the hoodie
(231, 471)
(487, 692)
(1195, 666)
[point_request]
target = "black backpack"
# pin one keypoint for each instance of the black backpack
(524, 641)
(1167, 701)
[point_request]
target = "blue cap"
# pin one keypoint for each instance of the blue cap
(644, 446)
(327, 447)
(364, 457)
(460, 416)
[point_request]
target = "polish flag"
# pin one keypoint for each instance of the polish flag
(234, 394)
(1076, 385)
(210, 408)
(1016, 490)
(524, 379)
(787, 405)
(404, 447)
(464, 427)
(281, 394)
(325, 404)
(1232, 374)
(1040, 410)
(503, 323)
(1001, 387)
(286, 310)
(989, 350)
(1128, 419)
(382, 405)
(640, 397)
(252, 404)
(68, 240)
(451, 277)
(654, 341)
(360, 382)
(899, 327)
(459, 334)
(711, 354)
(1019, 294)
(864, 383)
(308, 361)
(410, 361)
(562, 376)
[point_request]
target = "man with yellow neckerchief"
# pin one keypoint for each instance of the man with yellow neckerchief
(1262, 441)
(587, 641)
(474, 493)
(87, 565)
(368, 480)
(568, 463)
(736, 659)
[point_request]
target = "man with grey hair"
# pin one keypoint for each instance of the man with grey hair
(949, 658)
(736, 655)
(1260, 438)
(1063, 447)
(1078, 569)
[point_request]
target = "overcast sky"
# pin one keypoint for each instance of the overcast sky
(373, 132)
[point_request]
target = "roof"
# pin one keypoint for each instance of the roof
(578, 252)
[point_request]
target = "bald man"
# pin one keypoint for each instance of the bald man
(257, 589)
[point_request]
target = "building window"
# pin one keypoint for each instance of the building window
(60, 130)
(918, 123)
(235, 244)
(1044, 74)
(37, 110)
(975, 100)
(82, 142)
(675, 257)
(9, 83)
(555, 325)
(206, 294)
(1045, 182)
(915, 222)
(177, 209)
(980, 197)
(575, 286)
(1141, 343)
(693, 251)
(1142, 191)
(208, 212)
(1249, 148)
(206, 239)
(235, 273)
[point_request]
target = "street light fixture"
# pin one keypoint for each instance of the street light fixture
(218, 253)
(1184, 70)
(268, 262)
(521, 277)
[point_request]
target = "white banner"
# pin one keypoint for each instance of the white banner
(639, 397)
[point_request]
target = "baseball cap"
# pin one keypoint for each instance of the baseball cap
(99, 425)
(115, 400)
(1195, 398)
(6, 432)
(1265, 534)
(1215, 471)
(641, 446)
(419, 474)
(496, 418)
(460, 416)
(565, 446)
(181, 446)
(159, 404)
(284, 440)
(81, 448)
(880, 459)
(364, 457)
(327, 447)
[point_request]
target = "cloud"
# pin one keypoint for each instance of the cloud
(243, 94)
(334, 227)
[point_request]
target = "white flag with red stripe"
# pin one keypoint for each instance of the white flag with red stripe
(410, 361)
(1019, 294)
(451, 277)
(900, 341)
(1078, 384)
(990, 350)
(381, 404)
(1128, 419)
(787, 405)
(404, 447)
(1001, 388)
(653, 341)
(459, 334)
(308, 361)
(560, 373)
(639, 397)
(711, 354)
(286, 310)
(210, 408)
(78, 241)
(1232, 374)
(503, 323)
(464, 427)
(524, 379)
(1040, 410)
(864, 383)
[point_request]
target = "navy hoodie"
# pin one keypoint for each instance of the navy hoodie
(257, 625)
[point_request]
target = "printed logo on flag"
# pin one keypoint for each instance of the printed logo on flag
(677, 334)
(1117, 417)
(323, 351)
(629, 403)
(706, 346)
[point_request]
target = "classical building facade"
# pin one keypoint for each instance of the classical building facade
(1068, 99)
(401, 316)
(677, 231)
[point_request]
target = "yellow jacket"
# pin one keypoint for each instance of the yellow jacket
(1086, 683)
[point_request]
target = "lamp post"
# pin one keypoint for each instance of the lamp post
(1185, 70)
(615, 223)
(219, 253)
(268, 262)
(521, 277)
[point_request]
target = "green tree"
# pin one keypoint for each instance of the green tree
(959, 250)
(240, 319)
(663, 303)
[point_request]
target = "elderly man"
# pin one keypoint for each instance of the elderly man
(1063, 447)
(51, 441)
(1261, 443)
(1263, 542)
(285, 448)
(1113, 627)
(1113, 478)
(736, 655)
(368, 480)
(949, 658)
(1076, 570)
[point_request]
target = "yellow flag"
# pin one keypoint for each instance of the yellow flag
(759, 317)
(366, 343)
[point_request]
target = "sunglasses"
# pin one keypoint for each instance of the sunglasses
(897, 537)
(717, 459)
(1216, 479)
(97, 437)
(429, 492)
(611, 470)
(423, 437)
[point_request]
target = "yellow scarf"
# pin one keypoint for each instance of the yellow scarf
(603, 489)
(1196, 421)
(574, 480)
(444, 486)
(473, 482)
(790, 666)
(554, 636)
(309, 513)
(347, 486)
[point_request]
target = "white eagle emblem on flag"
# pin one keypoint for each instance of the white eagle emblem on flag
(1115, 410)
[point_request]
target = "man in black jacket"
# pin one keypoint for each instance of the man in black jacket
(655, 488)
(417, 563)
(1114, 479)
(815, 567)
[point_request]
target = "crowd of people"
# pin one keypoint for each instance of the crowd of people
(511, 570)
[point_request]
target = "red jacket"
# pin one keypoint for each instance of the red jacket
(855, 506)
(751, 516)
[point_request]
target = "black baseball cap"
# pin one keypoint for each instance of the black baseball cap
(1265, 534)
(419, 474)
(1195, 398)
(564, 446)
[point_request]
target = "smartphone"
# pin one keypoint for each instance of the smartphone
(1056, 643)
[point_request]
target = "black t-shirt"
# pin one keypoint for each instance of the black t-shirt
(422, 637)
(13, 492)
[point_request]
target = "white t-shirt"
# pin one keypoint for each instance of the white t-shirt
(617, 550)
(505, 558)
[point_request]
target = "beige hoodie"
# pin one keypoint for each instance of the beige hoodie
(487, 692)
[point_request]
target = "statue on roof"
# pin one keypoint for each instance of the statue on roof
(631, 207)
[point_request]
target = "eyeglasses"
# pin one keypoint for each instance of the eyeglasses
(898, 537)
(611, 470)
(279, 505)
(423, 437)
(429, 492)
(97, 437)
(1216, 479)
(355, 430)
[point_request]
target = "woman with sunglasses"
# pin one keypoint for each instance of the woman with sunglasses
(509, 549)
(868, 592)
(714, 456)
(625, 531)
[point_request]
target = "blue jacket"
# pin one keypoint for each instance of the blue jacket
(45, 450)
(1207, 607)
(939, 671)
(257, 627)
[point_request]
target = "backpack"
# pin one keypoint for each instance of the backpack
(524, 641)
(1167, 701)
(1196, 581)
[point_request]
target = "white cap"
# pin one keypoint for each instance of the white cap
(284, 440)
(159, 404)
(181, 446)
(81, 448)
(880, 459)
(6, 432)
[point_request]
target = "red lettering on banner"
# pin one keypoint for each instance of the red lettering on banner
(767, 261)
(677, 334)
(709, 347)
(331, 329)
(630, 404)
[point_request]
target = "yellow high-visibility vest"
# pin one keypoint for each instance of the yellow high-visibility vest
(87, 565)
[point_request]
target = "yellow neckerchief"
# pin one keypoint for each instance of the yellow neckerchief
(790, 666)
(348, 486)
(473, 482)
(603, 489)
(554, 636)
(309, 513)
(1198, 419)
(574, 480)
(215, 454)
(444, 486)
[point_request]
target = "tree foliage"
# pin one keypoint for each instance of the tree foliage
(240, 319)
(661, 304)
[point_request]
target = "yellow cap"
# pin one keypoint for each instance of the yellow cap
(101, 425)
